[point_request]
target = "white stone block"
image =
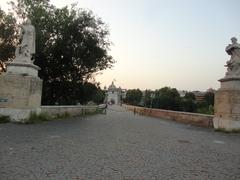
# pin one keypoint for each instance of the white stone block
(22, 69)
(18, 115)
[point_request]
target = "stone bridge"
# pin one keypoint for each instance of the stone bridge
(118, 145)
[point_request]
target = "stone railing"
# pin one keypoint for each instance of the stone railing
(184, 117)
(21, 115)
(71, 110)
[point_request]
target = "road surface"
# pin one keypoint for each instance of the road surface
(118, 145)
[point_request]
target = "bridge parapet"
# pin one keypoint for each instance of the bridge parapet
(183, 117)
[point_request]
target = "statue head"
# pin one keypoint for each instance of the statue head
(234, 40)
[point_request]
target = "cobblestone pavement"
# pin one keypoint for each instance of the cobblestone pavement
(118, 145)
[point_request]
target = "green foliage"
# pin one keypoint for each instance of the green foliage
(99, 96)
(4, 119)
(204, 108)
(71, 45)
(209, 98)
(133, 96)
(188, 105)
(91, 92)
(7, 36)
(190, 95)
(167, 98)
(147, 98)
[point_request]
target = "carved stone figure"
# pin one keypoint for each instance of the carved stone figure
(227, 101)
(26, 48)
(234, 63)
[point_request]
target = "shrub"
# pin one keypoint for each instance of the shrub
(4, 119)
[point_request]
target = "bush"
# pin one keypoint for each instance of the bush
(188, 105)
(4, 119)
(205, 108)
(133, 97)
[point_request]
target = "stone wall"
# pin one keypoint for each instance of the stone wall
(183, 117)
(20, 91)
(17, 114)
(71, 110)
(227, 109)
(22, 114)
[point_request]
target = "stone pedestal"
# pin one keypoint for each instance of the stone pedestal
(25, 69)
(227, 105)
(21, 90)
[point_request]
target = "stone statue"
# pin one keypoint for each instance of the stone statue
(26, 48)
(234, 63)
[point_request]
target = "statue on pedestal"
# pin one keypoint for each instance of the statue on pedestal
(26, 48)
(227, 101)
(234, 63)
(23, 62)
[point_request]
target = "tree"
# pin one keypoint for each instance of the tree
(190, 95)
(7, 36)
(188, 105)
(99, 96)
(206, 106)
(71, 45)
(167, 98)
(209, 98)
(133, 97)
(147, 98)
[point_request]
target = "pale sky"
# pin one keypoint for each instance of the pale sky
(157, 43)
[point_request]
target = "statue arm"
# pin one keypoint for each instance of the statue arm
(229, 49)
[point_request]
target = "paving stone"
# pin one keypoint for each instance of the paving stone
(118, 145)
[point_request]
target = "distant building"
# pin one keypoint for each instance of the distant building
(199, 95)
(115, 95)
(211, 90)
(182, 93)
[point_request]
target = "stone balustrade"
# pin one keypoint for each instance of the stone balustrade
(71, 110)
(183, 117)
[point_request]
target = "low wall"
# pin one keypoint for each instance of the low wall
(21, 115)
(71, 110)
(17, 114)
(184, 117)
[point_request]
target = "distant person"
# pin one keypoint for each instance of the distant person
(105, 108)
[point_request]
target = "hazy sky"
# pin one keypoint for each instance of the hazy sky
(177, 43)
